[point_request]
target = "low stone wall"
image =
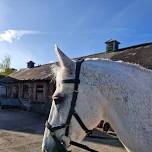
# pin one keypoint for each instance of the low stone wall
(25, 105)
(39, 107)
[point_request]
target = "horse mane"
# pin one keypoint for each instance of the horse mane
(55, 68)
(120, 62)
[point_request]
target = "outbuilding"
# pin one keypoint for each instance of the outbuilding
(33, 86)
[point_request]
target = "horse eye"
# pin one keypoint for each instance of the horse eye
(58, 99)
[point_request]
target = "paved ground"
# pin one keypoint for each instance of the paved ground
(22, 131)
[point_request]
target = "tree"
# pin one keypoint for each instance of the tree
(5, 66)
(6, 62)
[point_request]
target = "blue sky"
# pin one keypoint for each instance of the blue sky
(30, 28)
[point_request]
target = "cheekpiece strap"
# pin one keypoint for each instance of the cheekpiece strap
(71, 81)
(74, 97)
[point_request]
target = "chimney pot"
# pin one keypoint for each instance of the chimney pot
(112, 45)
(30, 64)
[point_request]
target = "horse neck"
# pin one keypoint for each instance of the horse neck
(104, 84)
(94, 79)
(120, 94)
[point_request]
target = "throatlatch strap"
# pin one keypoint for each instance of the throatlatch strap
(82, 146)
(74, 97)
(81, 123)
(71, 81)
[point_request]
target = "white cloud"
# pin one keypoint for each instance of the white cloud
(51, 61)
(11, 35)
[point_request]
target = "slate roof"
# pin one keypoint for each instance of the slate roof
(142, 54)
(139, 54)
(42, 72)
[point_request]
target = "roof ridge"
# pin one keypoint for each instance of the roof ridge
(121, 49)
(135, 46)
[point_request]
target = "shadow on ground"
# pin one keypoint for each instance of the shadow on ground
(22, 121)
(101, 137)
(22, 131)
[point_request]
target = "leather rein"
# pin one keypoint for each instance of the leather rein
(60, 144)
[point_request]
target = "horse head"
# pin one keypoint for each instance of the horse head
(58, 132)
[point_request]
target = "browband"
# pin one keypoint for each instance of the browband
(71, 81)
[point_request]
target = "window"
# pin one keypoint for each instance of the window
(25, 91)
(15, 91)
(39, 93)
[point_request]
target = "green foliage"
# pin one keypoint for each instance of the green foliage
(7, 72)
(6, 62)
(5, 66)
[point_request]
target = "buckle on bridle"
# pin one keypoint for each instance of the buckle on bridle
(66, 140)
(71, 81)
(75, 91)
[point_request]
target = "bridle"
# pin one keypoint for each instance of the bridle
(60, 144)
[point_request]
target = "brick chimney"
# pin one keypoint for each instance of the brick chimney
(112, 45)
(30, 64)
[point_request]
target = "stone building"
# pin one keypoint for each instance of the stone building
(33, 87)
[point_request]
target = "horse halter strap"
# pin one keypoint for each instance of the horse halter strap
(72, 112)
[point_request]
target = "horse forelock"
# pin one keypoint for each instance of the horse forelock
(57, 72)
(54, 69)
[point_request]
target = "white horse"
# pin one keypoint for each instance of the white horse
(118, 92)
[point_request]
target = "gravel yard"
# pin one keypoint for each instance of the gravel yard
(22, 131)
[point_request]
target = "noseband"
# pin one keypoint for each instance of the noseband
(60, 144)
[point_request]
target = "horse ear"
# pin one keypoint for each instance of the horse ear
(64, 61)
